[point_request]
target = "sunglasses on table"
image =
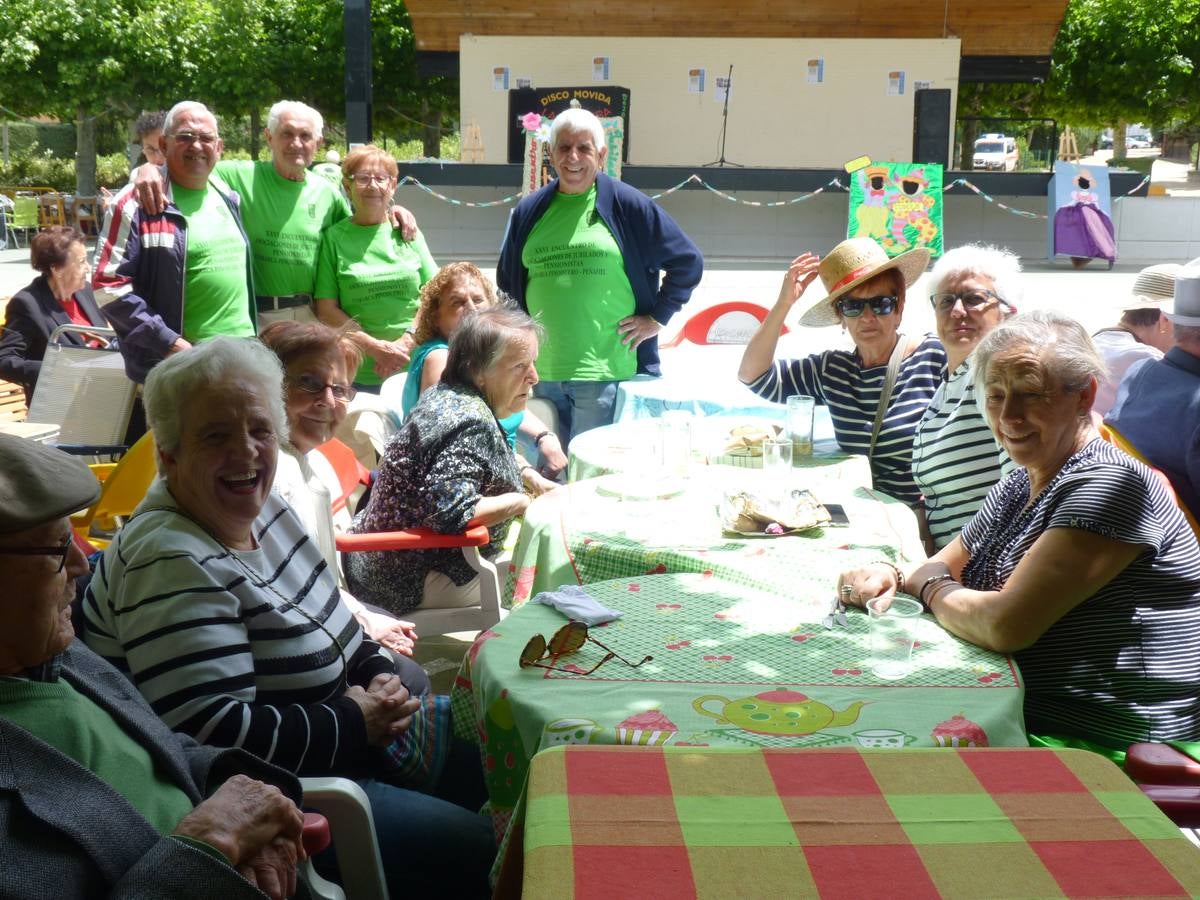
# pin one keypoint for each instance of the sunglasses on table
(310, 384)
(567, 640)
(62, 551)
(852, 307)
(945, 300)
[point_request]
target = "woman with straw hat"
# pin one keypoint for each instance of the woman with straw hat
(876, 393)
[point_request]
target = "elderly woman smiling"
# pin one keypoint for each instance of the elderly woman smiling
(220, 608)
(955, 457)
(875, 394)
(1079, 561)
(449, 467)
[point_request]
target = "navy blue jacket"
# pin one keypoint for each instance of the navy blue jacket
(650, 243)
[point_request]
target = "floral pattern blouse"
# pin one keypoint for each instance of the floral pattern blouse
(450, 452)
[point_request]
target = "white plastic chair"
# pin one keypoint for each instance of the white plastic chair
(345, 805)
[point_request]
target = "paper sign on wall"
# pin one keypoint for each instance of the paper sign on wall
(696, 81)
(523, 81)
(599, 68)
(895, 83)
(722, 88)
(816, 70)
(899, 205)
(500, 78)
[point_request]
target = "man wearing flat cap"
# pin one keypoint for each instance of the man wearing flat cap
(1158, 403)
(98, 798)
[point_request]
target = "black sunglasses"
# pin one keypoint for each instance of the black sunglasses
(310, 384)
(944, 301)
(61, 551)
(852, 307)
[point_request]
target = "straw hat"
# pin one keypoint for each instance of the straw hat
(1153, 288)
(851, 263)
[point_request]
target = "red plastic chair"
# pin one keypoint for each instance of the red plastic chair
(1170, 778)
(351, 473)
(732, 322)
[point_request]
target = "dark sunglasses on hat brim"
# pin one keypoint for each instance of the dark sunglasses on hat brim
(852, 307)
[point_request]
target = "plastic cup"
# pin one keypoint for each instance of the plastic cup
(800, 424)
(777, 457)
(675, 440)
(893, 635)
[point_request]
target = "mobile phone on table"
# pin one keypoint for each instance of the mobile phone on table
(837, 514)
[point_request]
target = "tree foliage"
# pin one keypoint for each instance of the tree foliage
(79, 59)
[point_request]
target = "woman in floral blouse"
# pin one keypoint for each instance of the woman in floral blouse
(450, 467)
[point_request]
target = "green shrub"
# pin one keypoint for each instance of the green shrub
(42, 170)
(52, 137)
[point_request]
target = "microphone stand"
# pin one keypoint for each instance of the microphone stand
(721, 160)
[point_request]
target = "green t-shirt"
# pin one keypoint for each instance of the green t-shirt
(75, 726)
(284, 220)
(215, 280)
(579, 289)
(376, 278)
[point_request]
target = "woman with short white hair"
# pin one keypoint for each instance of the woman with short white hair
(956, 460)
(220, 608)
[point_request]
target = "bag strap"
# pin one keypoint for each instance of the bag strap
(901, 350)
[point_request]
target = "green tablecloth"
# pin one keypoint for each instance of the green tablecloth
(633, 446)
(733, 666)
(682, 822)
(581, 533)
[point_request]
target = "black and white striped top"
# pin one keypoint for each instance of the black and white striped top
(837, 379)
(956, 459)
(1124, 665)
(246, 648)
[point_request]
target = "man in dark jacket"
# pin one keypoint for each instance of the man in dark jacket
(97, 797)
(169, 280)
(586, 254)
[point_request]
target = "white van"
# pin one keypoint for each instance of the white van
(995, 151)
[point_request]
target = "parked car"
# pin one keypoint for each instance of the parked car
(1138, 142)
(995, 151)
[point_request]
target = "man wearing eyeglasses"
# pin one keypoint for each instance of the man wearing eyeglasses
(97, 796)
(285, 206)
(171, 279)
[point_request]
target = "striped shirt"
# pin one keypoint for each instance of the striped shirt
(1123, 665)
(837, 379)
(956, 459)
(246, 648)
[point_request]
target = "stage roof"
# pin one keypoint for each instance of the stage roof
(987, 28)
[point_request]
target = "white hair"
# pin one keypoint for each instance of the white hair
(1066, 351)
(574, 120)
(1000, 266)
(179, 109)
(296, 108)
(189, 373)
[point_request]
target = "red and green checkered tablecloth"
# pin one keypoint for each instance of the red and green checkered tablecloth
(674, 822)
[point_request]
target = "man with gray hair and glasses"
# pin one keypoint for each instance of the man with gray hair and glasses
(194, 250)
(285, 207)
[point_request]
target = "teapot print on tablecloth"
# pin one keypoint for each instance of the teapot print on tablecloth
(781, 712)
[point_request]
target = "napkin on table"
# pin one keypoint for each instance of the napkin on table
(575, 603)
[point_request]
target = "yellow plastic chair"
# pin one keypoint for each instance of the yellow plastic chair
(23, 216)
(1118, 440)
(123, 484)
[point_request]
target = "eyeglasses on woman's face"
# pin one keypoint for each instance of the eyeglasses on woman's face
(366, 179)
(944, 301)
(852, 307)
(311, 384)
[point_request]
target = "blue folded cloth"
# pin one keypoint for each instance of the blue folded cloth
(575, 603)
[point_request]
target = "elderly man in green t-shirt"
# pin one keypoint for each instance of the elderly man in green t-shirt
(285, 207)
(169, 280)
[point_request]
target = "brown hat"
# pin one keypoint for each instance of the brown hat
(851, 263)
(39, 484)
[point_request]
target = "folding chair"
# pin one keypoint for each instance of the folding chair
(21, 217)
(83, 391)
